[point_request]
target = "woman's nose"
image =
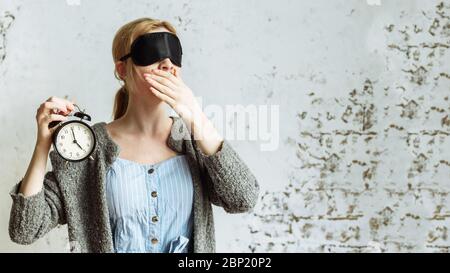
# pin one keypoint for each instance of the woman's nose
(166, 65)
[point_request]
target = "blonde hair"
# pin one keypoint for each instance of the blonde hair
(121, 46)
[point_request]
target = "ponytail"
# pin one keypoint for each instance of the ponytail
(120, 103)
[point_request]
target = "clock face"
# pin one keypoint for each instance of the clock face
(74, 141)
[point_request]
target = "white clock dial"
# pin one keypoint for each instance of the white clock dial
(75, 141)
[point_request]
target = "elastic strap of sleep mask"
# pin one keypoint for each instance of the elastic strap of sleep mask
(125, 57)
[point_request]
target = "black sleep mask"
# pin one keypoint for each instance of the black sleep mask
(154, 47)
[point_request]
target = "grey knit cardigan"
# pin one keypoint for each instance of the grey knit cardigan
(74, 193)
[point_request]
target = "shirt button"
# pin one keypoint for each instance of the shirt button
(155, 219)
(154, 241)
(154, 194)
(150, 171)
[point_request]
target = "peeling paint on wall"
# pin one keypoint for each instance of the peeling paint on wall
(6, 20)
(373, 166)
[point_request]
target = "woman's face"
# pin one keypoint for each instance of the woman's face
(166, 64)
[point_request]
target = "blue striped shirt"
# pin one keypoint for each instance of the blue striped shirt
(150, 205)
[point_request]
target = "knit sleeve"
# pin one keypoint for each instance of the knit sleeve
(229, 181)
(33, 216)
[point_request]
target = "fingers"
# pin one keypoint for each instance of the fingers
(53, 117)
(163, 97)
(160, 79)
(162, 85)
(66, 105)
(167, 75)
(45, 121)
(54, 105)
(49, 107)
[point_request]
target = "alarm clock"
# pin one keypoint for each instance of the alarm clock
(74, 140)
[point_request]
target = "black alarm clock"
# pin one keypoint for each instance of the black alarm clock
(74, 140)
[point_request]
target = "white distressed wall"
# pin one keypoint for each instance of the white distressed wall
(363, 86)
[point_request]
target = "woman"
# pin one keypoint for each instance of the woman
(153, 177)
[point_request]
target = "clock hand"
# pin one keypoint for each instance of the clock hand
(75, 140)
(73, 135)
(80, 146)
